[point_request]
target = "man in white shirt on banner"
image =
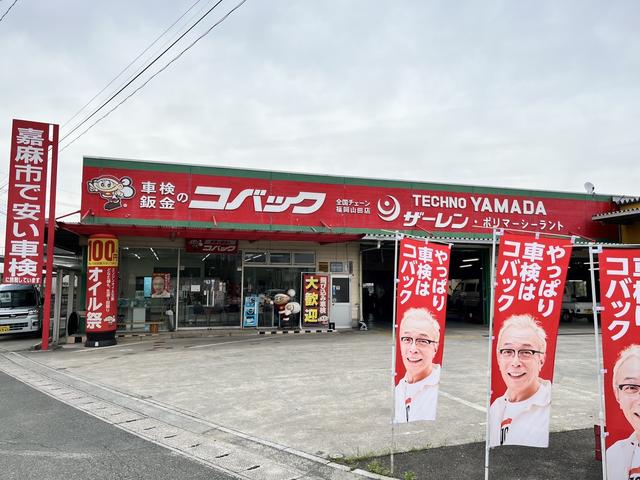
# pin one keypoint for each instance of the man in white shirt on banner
(521, 415)
(416, 395)
(623, 457)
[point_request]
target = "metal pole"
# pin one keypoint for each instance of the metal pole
(70, 300)
(51, 225)
(57, 307)
(393, 353)
(487, 446)
(598, 360)
(176, 315)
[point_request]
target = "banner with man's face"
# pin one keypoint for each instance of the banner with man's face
(421, 308)
(530, 278)
(620, 302)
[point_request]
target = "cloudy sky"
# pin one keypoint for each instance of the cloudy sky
(540, 95)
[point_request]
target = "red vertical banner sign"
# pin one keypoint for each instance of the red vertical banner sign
(24, 241)
(620, 301)
(421, 309)
(102, 289)
(530, 278)
(315, 302)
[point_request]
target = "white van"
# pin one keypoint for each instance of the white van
(20, 309)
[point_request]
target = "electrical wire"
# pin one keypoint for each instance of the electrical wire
(140, 73)
(222, 19)
(131, 63)
(10, 7)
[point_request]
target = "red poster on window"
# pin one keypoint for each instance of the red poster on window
(620, 301)
(530, 277)
(24, 243)
(421, 309)
(315, 303)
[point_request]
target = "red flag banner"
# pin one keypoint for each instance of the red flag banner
(620, 301)
(421, 309)
(530, 278)
(24, 244)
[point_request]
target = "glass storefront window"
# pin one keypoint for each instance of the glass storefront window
(280, 258)
(209, 290)
(304, 258)
(266, 283)
(255, 257)
(152, 296)
(147, 289)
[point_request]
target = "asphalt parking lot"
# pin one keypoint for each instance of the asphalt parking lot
(324, 394)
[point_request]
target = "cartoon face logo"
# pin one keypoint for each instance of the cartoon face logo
(111, 189)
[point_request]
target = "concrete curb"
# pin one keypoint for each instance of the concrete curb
(293, 332)
(364, 473)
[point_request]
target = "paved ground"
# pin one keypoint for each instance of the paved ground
(327, 395)
(42, 438)
(570, 456)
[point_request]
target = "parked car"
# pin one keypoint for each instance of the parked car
(20, 309)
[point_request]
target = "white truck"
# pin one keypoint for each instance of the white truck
(20, 309)
(576, 301)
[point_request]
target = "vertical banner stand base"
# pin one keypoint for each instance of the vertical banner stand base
(101, 339)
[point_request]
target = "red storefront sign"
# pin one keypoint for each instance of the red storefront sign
(204, 245)
(102, 284)
(620, 301)
(530, 278)
(421, 310)
(315, 302)
(24, 244)
(147, 192)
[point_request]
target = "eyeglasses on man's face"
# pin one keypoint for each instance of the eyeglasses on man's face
(523, 354)
(419, 342)
(630, 389)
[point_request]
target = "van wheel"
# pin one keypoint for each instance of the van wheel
(566, 316)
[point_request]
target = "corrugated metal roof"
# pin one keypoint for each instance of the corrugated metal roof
(625, 200)
(620, 215)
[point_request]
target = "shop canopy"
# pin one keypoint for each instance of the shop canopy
(163, 231)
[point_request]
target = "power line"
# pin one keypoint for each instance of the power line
(10, 7)
(154, 75)
(140, 73)
(131, 63)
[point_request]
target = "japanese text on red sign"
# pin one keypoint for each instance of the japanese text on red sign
(424, 273)
(530, 272)
(27, 190)
(621, 275)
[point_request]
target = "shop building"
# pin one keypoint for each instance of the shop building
(196, 242)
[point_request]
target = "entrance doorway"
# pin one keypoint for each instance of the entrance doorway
(340, 312)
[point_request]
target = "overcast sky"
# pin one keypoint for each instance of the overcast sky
(525, 94)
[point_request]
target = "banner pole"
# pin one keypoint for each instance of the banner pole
(489, 354)
(598, 362)
(51, 229)
(393, 354)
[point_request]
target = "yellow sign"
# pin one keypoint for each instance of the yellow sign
(103, 252)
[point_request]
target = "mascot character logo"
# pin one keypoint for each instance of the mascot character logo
(111, 189)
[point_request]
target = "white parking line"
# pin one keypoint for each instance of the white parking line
(261, 337)
(464, 402)
(99, 349)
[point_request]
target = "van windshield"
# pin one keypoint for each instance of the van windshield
(17, 298)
